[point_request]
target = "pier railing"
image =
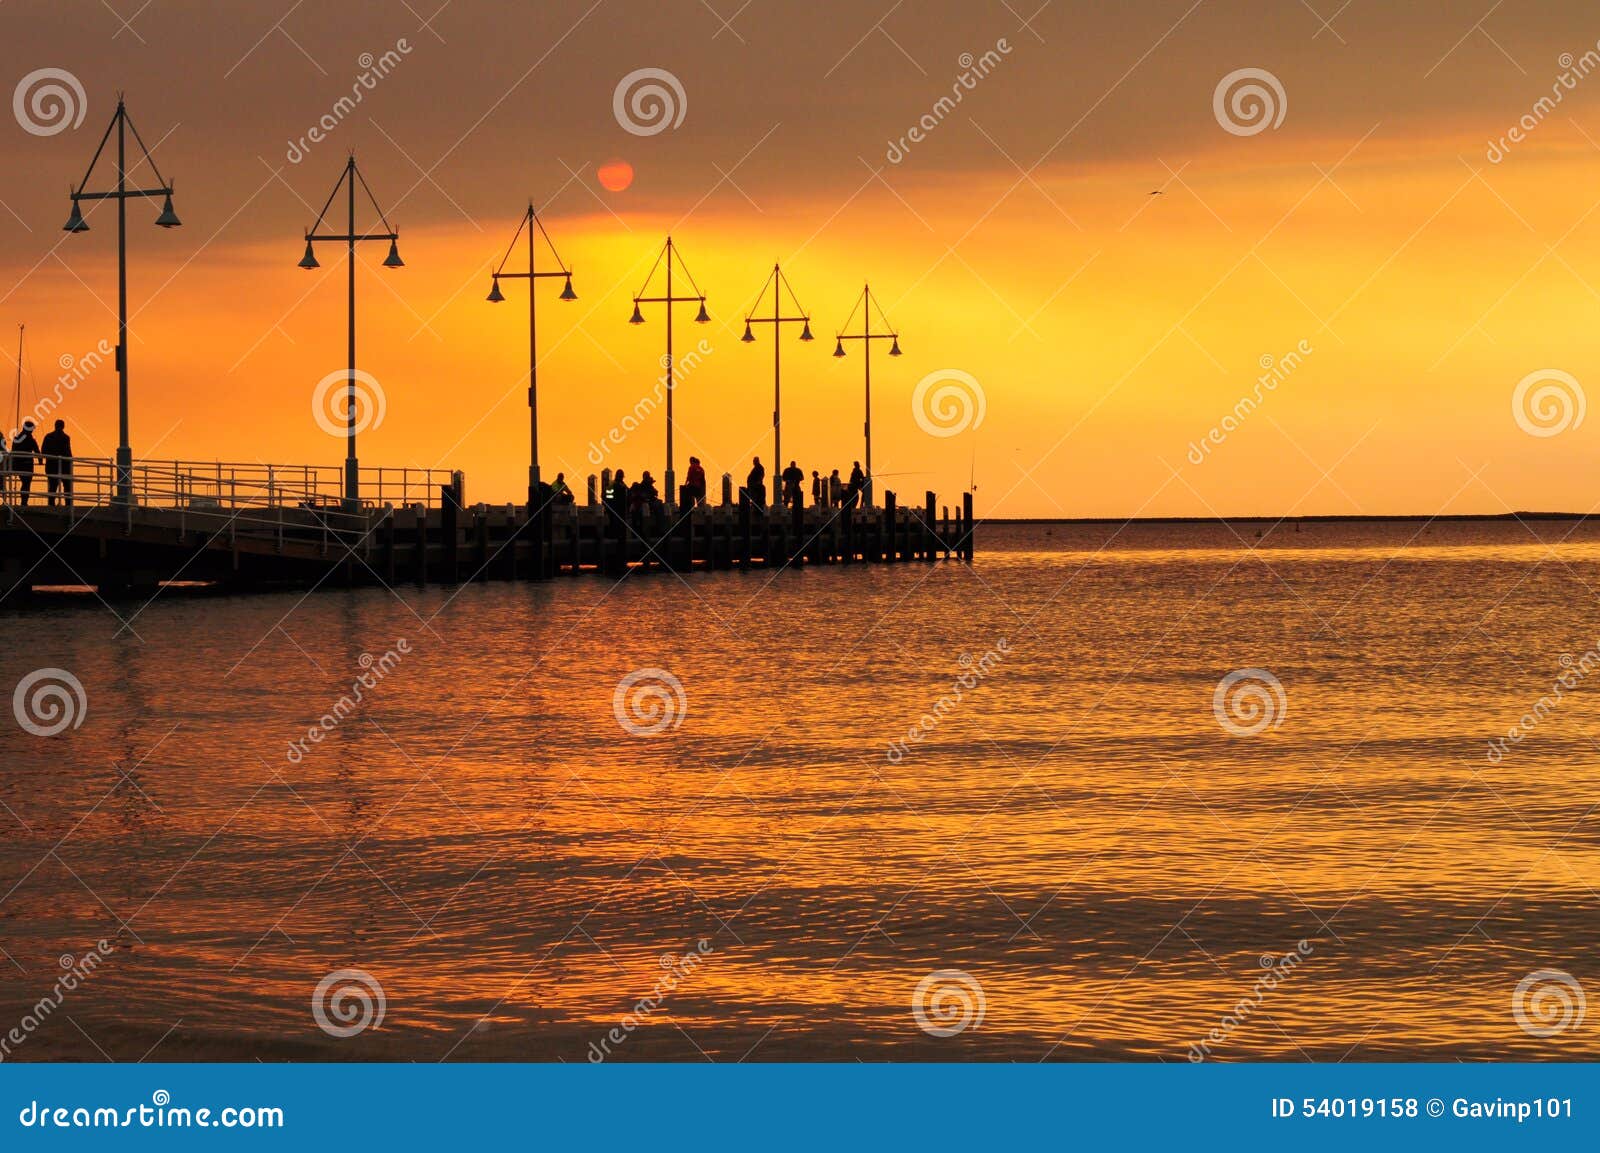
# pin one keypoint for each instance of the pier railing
(220, 486)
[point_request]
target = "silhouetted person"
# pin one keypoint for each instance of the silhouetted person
(792, 478)
(20, 461)
(852, 491)
(57, 450)
(835, 489)
(616, 497)
(694, 483)
(755, 485)
(816, 489)
(648, 495)
(5, 471)
(559, 492)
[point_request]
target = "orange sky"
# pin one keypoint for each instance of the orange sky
(1108, 330)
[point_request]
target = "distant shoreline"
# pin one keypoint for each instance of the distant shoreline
(1406, 518)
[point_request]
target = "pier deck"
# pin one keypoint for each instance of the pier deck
(259, 526)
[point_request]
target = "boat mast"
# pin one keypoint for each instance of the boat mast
(17, 414)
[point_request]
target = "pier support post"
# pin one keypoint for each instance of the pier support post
(890, 553)
(449, 522)
(966, 527)
(420, 555)
(797, 543)
(744, 534)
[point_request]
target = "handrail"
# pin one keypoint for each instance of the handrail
(219, 485)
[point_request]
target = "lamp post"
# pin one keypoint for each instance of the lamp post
(777, 282)
(669, 255)
(530, 223)
(75, 223)
(348, 179)
(866, 336)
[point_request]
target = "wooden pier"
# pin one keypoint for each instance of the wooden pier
(260, 526)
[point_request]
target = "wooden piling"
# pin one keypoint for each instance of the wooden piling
(744, 533)
(419, 560)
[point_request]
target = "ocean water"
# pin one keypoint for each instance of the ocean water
(923, 812)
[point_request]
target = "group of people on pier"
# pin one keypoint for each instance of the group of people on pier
(631, 498)
(20, 455)
(826, 492)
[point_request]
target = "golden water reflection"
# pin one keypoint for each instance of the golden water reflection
(1078, 832)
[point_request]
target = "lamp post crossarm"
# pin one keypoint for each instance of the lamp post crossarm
(125, 194)
(350, 236)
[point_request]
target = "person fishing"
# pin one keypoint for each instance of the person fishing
(616, 497)
(792, 478)
(694, 484)
(647, 493)
(559, 492)
(755, 485)
(853, 491)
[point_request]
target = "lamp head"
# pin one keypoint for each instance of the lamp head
(393, 259)
(309, 260)
(566, 291)
(894, 349)
(805, 333)
(838, 347)
(75, 222)
(168, 218)
(748, 337)
(495, 295)
(702, 317)
(637, 317)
